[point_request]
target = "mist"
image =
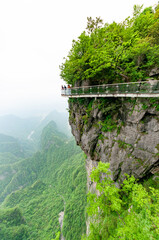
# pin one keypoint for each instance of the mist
(35, 36)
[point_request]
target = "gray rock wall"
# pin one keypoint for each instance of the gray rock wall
(129, 140)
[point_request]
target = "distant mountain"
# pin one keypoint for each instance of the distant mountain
(51, 136)
(61, 120)
(18, 127)
(31, 128)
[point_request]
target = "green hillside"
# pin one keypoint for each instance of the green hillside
(11, 145)
(37, 189)
(18, 148)
(7, 158)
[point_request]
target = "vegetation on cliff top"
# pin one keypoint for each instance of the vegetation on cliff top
(115, 52)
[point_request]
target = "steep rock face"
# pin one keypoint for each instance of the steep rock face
(123, 132)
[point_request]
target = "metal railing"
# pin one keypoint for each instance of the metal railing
(119, 89)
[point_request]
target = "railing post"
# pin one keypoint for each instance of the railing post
(127, 85)
(151, 90)
(137, 88)
(98, 89)
(117, 88)
(106, 89)
(83, 90)
(90, 90)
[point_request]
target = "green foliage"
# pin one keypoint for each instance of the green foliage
(15, 232)
(151, 102)
(57, 236)
(123, 144)
(151, 181)
(115, 52)
(37, 189)
(7, 158)
(109, 109)
(80, 101)
(63, 183)
(88, 111)
(108, 125)
(12, 224)
(20, 174)
(92, 24)
(144, 106)
(155, 103)
(107, 105)
(130, 213)
(12, 216)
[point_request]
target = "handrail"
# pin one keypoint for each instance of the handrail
(150, 88)
(111, 84)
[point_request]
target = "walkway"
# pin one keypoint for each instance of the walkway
(132, 89)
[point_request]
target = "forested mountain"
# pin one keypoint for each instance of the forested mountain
(16, 147)
(11, 145)
(61, 121)
(35, 190)
(28, 130)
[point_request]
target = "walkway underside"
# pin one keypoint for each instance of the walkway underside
(132, 95)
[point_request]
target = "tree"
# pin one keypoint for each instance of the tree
(92, 24)
(116, 52)
(129, 213)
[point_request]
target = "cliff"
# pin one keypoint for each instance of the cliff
(123, 132)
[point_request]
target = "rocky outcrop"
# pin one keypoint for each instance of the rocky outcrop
(123, 132)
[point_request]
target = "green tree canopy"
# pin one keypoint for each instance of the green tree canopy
(115, 52)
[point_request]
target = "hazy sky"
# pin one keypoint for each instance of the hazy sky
(35, 35)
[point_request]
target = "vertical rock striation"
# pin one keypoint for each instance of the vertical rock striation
(123, 132)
